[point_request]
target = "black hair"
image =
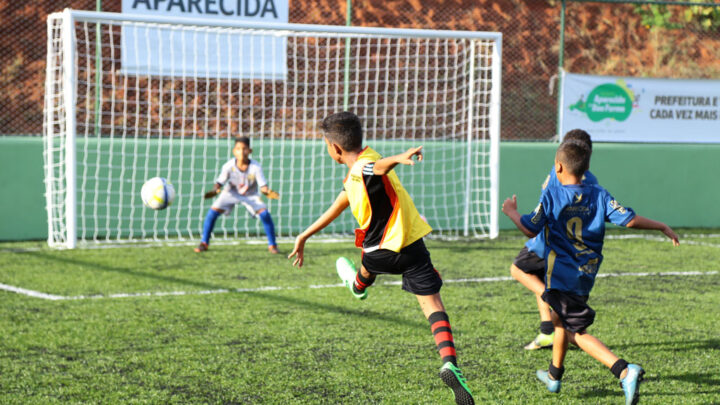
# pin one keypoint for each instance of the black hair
(575, 156)
(344, 129)
(579, 135)
(243, 139)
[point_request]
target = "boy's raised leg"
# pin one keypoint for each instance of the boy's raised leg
(450, 373)
(595, 348)
(356, 281)
(536, 285)
(630, 375)
(547, 330)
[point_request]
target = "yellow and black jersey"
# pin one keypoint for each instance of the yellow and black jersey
(383, 208)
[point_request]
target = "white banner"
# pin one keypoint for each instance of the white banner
(627, 109)
(210, 52)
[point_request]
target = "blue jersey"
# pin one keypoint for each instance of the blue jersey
(537, 244)
(574, 218)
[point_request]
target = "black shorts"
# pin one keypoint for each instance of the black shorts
(573, 310)
(530, 263)
(413, 262)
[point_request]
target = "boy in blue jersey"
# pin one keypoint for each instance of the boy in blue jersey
(573, 217)
(528, 268)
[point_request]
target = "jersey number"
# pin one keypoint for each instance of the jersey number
(574, 233)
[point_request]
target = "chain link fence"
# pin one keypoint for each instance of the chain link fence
(600, 38)
(643, 40)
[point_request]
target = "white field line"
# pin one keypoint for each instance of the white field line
(41, 295)
(694, 243)
(664, 239)
(31, 293)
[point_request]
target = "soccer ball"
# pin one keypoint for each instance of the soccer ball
(157, 193)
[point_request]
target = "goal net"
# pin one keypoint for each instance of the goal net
(133, 97)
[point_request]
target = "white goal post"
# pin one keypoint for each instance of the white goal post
(131, 97)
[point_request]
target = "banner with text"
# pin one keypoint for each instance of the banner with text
(160, 50)
(627, 109)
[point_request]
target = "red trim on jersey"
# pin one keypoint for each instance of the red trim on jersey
(360, 236)
(390, 191)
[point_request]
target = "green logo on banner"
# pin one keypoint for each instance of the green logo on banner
(608, 100)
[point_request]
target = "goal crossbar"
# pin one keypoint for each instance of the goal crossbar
(279, 29)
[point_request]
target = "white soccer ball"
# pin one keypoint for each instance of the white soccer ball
(157, 193)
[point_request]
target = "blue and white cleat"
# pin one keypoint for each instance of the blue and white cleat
(552, 385)
(631, 384)
(346, 271)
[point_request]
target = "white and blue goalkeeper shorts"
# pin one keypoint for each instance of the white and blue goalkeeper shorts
(228, 199)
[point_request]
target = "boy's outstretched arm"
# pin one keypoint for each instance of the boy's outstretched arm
(509, 208)
(271, 194)
(337, 207)
(640, 222)
(215, 191)
(383, 166)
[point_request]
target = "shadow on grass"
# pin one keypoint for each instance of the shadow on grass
(698, 378)
(708, 380)
(360, 314)
(602, 393)
(270, 296)
(675, 345)
(683, 394)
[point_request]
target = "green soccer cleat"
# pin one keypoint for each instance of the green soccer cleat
(631, 384)
(452, 377)
(541, 341)
(346, 271)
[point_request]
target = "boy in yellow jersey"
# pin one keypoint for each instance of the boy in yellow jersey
(390, 234)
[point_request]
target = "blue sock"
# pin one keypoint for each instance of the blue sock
(209, 224)
(269, 227)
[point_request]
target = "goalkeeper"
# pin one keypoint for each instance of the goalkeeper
(241, 178)
(390, 234)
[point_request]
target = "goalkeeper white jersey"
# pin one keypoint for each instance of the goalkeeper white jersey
(246, 182)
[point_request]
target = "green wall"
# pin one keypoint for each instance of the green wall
(310, 181)
(673, 183)
(22, 190)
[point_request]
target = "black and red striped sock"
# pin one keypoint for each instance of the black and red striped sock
(440, 326)
(361, 283)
